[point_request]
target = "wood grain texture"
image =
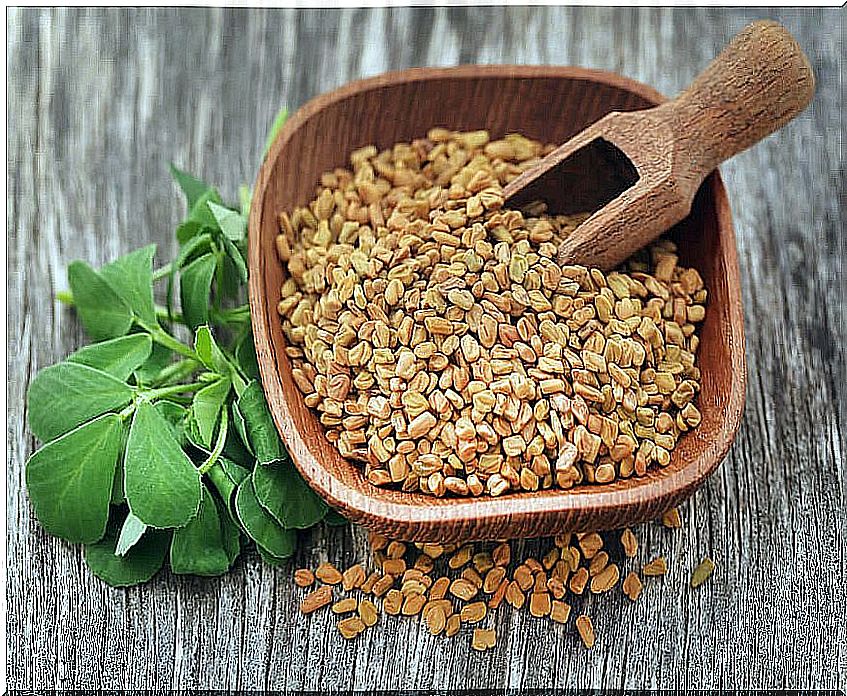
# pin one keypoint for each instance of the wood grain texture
(397, 107)
(99, 100)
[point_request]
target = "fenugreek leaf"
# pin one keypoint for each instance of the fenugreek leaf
(191, 186)
(195, 285)
(335, 519)
(160, 357)
(272, 560)
(259, 425)
(64, 395)
(70, 480)
(210, 353)
(187, 230)
(230, 532)
(245, 356)
(206, 408)
(198, 547)
(232, 224)
(259, 525)
(200, 212)
(137, 565)
(131, 532)
(131, 277)
(281, 118)
(102, 311)
(175, 415)
(118, 357)
(226, 476)
(241, 428)
(284, 494)
(161, 484)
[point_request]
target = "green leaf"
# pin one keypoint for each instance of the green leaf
(131, 277)
(194, 248)
(198, 547)
(138, 565)
(102, 312)
(175, 416)
(245, 356)
(282, 492)
(241, 428)
(335, 519)
(232, 224)
(118, 357)
(131, 532)
(117, 495)
(281, 118)
(187, 230)
(191, 186)
(69, 480)
(261, 431)
(210, 353)
(234, 447)
(160, 357)
(245, 196)
(226, 477)
(230, 532)
(260, 526)
(195, 285)
(233, 253)
(200, 212)
(64, 395)
(162, 485)
(206, 407)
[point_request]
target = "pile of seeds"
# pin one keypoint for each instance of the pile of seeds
(444, 347)
(450, 586)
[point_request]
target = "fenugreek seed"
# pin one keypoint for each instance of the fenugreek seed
(303, 577)
(351, 627)
(629, 543)
(394, 566)
(343, 606)
(482, 562)
(473, 612)
(606, 579)
(598, 563)
(590, 544)
(560, 611)
(413, 604)
(392, 602)
(328, 573)
(382, 585)
(353, 577)
(452, 626)
(461, 557)
(463, 589)
(702, 572)
(586, 630)
(493, 579)
(483, 639)
(439, 588)
(523, 576)
(539, 604)
(671, 519)
(658, 566)
(368, 612)
(632, 586)
(317, 599)
(502, 554)
(578, 581)
(514, 596)
(436, 621)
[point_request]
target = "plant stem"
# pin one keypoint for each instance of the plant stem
(176, 371)
(172, 389)
(65, 297)
(162, 272)
(162, 337)
(219, 444)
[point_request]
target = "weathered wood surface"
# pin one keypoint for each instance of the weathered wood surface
(100, 100)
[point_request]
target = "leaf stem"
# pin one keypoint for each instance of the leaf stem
(219, 444)
(176, 371)
(162, 337)
(65, 297)
(172, 389)
(162, 272)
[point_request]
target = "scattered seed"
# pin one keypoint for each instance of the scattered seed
(351, 627)
(658, 566)
(328, 573)
(629, 543)
(353, 577)
(303, 577)
(316, 599)
(671, 519)
(483, 639)
(539, 604)
(702, 572)
(368, 612)
(560, 611)
(632, 586)
(473, 613)
(606, 579)
(344, 606)
(452, 626)
(586, 630)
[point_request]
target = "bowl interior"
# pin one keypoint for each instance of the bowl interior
(549, 104)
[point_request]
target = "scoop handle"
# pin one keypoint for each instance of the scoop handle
(756, 85)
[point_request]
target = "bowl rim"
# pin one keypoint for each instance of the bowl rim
(519, 507)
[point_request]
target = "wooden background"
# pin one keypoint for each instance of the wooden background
(100, 100)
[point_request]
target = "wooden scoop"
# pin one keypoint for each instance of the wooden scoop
(639, 170)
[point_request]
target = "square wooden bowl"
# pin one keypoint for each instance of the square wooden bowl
(550, 104)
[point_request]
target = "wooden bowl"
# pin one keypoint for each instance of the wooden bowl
(550, 104)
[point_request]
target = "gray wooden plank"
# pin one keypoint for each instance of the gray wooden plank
(100, 100)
